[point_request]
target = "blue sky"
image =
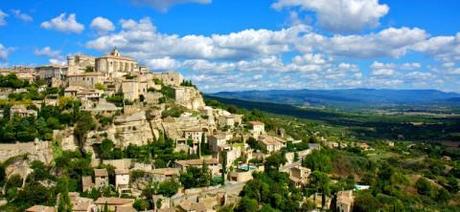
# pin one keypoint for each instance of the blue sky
(241, 44)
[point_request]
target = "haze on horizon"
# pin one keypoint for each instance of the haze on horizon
(247, 45)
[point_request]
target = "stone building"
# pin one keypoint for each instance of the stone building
(216, 142)
(257, 128)
(133, 89)
(121, 179)
(101, 178)
(54, 74)
(345, 201)
(230, 120)
(164, 174)
(115, 65)
(87, 79)
(299, 175)
(169, 78)
(87, 183)
(271, 144)
(21, 111)
(212, 163)
(113, 203)
(79, 63)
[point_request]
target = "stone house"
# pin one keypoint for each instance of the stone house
(41, 208)
(345, 201)
(164, 174)
(81, 204)
(271, 143)
(169, 78)
(240, 176)
(230, 120)
(299, 175)
(101, 178)
(121, 179)
(113, 203)
(21, 111)
(104, 108)
(87, 79)
(257, 128)
(212, 163)
(87, 183)
(133, 89)
(83, 93)
(53, 74)
(189, 206)
(218, 141)
(196, 134)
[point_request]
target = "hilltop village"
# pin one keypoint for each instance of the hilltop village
(129, 130)
(107, 134)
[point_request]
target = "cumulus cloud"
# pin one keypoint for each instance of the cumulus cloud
(141, 39)
(102, 25)
(292, 57)
(390, 42)
(2, 18)
(64, 23)
(340, 15)
(382, 69)
(444, 48)
(164, 5)
(54, 56)
(22, 16)
(4, 52)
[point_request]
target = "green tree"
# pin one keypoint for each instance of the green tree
(247, 205)
(274, 162)
(196, 177)
(85, 123)
(168, 188)
(318, 161)
(321, 182)
(424, 187)
(64, 200)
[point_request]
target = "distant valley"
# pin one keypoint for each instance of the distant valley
(349, 98)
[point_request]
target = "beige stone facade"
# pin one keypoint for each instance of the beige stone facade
(345, 201)
(87, 80)
(115, 65)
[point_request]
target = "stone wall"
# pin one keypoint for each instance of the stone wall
(189, 97)
(37, 150)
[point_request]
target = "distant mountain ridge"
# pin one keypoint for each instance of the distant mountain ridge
(347, 97)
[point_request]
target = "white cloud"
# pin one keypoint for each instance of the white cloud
(54, 56)
(444, 48)
(382, 69)
(161, 64)
(2, 18)
(64, 23)
(411, 66)
(236, 60)
(22, 16)
(164, 5)
(102, 25)
(390, 42)
(4, 52)
(340, 15)
(140, 39)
